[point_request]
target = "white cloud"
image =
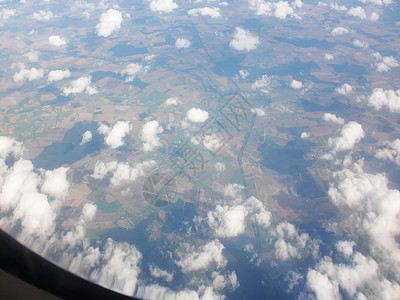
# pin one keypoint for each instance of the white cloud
(196, 115)
(55, 183)
(337, 7)
(376, 2)
(360, 44)
(357, 12)
(219, 167)
(296, 84)
(122, 173)
(80, 85)
(149, 136)
(119, 267)
(280, 9)
(32, 56)
(58, 75)
(344, 89)
(322, 287)
(339, 31)
(289, 244)
(374, 16)
(114, 135)
(131, 71)
(385, 98)
(350, 134)
(182, 43)
(332, 118)
(192, 259)
(28, 74)
(110, 22)
(163, 5)
(244, 73)
(212, 12)
(172, 101)
(390, 152)
(384, 63)
(57, 41)
(86, 137)
(305, 135)
(6, 13)
(9, 146)
(43, 15)
(345, 247)
(258, 111)
(328, 56)
(158, 273)
(263, 83)
(244, 40)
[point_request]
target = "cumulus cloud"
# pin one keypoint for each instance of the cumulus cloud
(244, 40)
(80, 85)
(131, 71)
(350, 135)
(244, 73)
(192, 259)
(296, 84)
(212, 12)
(339, 31)
(289, 244)
(86, 137)
(32, 56)
(344, 89)
(332, 118)
(122, 173)
(43, 15)
(376, 2)
(280, 9)
(172, 101)
(360, 44)
(384, 63)
(110, 22)
(182, 43)
(305, 135)
(381, 98)
(163, 5)
(55, 183)
(263, 83)
(374, 16)
(196, 115)
(28, 74)
(57, 41)
(357, 12)
(390, 151)
(9, 146)
(114, 135)
(149, 136)
(58, 75)
(258, 111)
(329, 56)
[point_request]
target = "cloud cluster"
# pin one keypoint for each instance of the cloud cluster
(358, 12)
(110, 22)
(122, 173)
(390, 151)
(381, 98)
(114, 135)
(360, 44)
(158, 273)
(264, 83)
(163, 5)
(192, 259)
(6, 13)
(384, 63)
(243, 40)
(57, 41)
(280, 9)
(296, 84)
(149, 136)
(289, 244)
(182, 43)
(28, 74)
(80, 85)
(43, 15)
(131, 71)
(57, 75)
(212, 12)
